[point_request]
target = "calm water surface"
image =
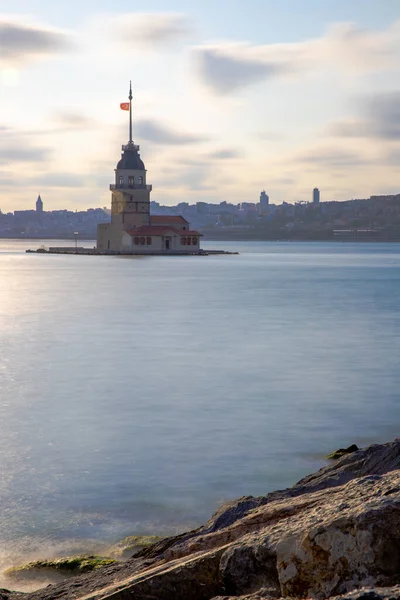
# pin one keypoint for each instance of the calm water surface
(137, 394)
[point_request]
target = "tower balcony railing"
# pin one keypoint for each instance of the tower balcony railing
(131, 186)
(130, 146)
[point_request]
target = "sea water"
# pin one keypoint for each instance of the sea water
(139, 393)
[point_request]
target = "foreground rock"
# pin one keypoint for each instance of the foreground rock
(334, 532)
(366, 593)
(130, 545)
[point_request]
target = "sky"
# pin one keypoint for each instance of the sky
(230, 98)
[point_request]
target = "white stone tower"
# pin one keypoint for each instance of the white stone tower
(130, 194)
(130, 203)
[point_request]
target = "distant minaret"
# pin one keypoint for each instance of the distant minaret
(39, 205)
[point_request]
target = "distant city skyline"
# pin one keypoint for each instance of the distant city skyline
(228, 100)
(377, 217)
(263, 200)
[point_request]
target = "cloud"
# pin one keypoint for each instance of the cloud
(381, 118)
(284, 180)
(153, 131)
(6, 180)
(60, 180)
(226, 154)
(149, 30)
(392, 158)
(195, 178)
(270, 136)
(225, 68)
(189, 173)
(22, 42)
(333, 158)
(17, 148)
(71, 119)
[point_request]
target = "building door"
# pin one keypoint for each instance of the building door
(167, 244)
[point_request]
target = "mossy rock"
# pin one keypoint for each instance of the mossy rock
(133, 543)
(73, 565)
(342, 452)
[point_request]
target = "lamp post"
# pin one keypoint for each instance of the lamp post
(76, 241)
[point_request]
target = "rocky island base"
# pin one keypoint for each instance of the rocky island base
(335, 533)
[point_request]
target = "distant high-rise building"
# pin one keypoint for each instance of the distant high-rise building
(264, 200)
(39, 205)
(315, 196)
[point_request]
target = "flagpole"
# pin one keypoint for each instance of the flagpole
(130, 112)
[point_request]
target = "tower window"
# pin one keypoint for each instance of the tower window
(121, 180)
(148, 241)
(131, 181)
(141, 180)
(130, 198)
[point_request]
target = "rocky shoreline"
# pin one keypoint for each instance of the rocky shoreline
(336, 533)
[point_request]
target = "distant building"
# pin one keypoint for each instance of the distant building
(248, 207)
(202, 208)
(39, 205)
(264, 200)
(132, 228)
(316, 196)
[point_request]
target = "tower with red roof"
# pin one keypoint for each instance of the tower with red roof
(132, 229)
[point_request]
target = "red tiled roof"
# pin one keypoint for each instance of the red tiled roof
(166, 219)
(161, 230)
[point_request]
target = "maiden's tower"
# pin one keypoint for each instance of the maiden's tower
(133, 229)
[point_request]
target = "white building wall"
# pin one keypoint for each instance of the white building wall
(109, 237)
(112, 238)
(185, 247)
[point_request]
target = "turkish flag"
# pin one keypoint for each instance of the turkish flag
(125, 105)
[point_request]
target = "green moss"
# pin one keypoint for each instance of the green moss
(132, 544)
(342, 452)
(142, 541)
(69, 564)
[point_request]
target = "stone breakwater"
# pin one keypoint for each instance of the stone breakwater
(335, 533)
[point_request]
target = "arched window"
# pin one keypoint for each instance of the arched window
(189, 241)
(148, 241)
(183, 241)
(142, 241)
(136, 241)
(131, 181)
(141, 180)
(194, 241)
(121, 180)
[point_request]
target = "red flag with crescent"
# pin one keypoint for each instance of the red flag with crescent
(125, 105)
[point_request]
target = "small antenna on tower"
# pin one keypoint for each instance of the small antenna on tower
(130, 112)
